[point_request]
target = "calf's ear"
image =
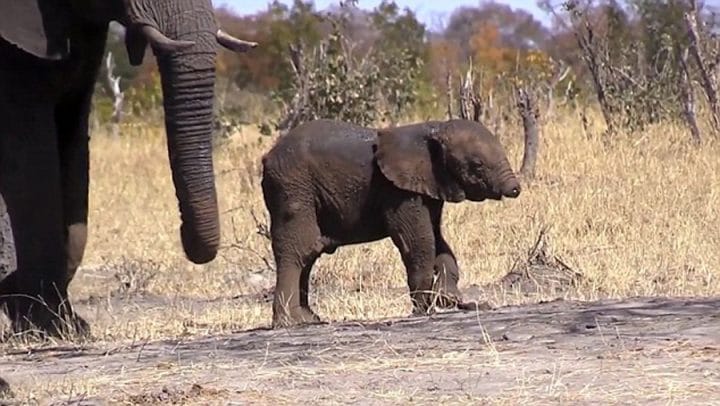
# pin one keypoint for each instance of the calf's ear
(413, 158)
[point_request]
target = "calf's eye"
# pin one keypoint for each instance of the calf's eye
(476, 166)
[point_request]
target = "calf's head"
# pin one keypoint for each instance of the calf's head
(452, 161)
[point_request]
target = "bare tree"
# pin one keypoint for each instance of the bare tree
(529, 114)
(562, 72)
(591, 54)
(112, 84)
(331, 81)
(708, 80)
(688, 97)
(295, 112)
(449, 91)
(471, 107)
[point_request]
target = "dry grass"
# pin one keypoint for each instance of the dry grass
(636, 216)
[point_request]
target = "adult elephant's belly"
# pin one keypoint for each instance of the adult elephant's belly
(24, 79)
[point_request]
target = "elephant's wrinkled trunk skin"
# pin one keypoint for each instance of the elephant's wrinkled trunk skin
(188, 79)
(509, 184)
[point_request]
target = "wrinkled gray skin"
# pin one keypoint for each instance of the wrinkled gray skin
(51, 51)
(327, 184)
(8, 261)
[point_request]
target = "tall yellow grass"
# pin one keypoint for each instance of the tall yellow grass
(637, 216)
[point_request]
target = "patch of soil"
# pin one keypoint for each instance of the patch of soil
(174, 395)
(539, 274)
(649, 350)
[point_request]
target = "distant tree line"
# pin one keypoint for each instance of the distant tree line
(640, 61)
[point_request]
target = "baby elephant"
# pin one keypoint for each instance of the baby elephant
(329, 183)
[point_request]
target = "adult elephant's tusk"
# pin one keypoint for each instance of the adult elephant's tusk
(159, 41)
(234, 44)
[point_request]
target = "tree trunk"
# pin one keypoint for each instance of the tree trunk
(585, 37)
(448, 91)
(112, 85)
(696, 51)
(688, 97)
(529, 114)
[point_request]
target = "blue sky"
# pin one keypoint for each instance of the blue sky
(427, 11)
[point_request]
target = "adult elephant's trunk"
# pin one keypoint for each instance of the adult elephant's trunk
(188, 78)
(184, 36)
(188, 91)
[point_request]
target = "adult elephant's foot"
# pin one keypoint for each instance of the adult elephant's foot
(36, 319)
(296, 316)
(5, 392)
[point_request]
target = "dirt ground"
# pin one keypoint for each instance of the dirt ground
(649, 350)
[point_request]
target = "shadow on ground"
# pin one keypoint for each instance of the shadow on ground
(649, 349)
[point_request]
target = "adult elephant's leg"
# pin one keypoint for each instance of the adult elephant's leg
(74, 168)
(8, 261)
(71, 115)
(409, 224)
(34, 296)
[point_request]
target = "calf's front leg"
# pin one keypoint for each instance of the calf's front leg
(409, 226)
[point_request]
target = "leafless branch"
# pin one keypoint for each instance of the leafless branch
(294, 112)
(561, 74)
(708, 83)
(262, 227)
(585, 37)
(470, 103)
(529, 113)
(449, 91)
(688, 97)
(112, 84)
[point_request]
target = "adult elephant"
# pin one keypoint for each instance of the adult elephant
(50, 53)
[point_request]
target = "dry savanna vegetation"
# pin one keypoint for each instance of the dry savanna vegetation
(601, 277)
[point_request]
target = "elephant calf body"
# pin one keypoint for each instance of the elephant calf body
(328, 183)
